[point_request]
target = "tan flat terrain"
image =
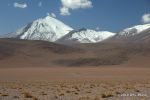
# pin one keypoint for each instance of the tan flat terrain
(62, 83)
(64, 73)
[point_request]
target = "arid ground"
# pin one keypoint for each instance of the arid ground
(38, 70)
(105, 83)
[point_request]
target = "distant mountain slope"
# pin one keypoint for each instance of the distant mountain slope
(47, 29)
(139, 33)
(85, 36)
(133, 31)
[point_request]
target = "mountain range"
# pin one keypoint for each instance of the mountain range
(49, 42)
(52, 30)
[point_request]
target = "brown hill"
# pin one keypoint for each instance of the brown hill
(25, 53)
(110, 54)
(14, 53)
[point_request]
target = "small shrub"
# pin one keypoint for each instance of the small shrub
(107, 95)
(4, 95)
(76, 93)
(136, 90)
(55, 97)
(27, 95)
(68, 91)
(34, 98)
(61, 94)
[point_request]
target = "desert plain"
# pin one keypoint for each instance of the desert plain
(35, 70)
(111, 83)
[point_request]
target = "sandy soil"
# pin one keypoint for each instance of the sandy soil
(106, 73)
(104, 83)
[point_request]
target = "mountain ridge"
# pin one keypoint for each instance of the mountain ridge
(85, 36)
(47, 29)
(135, 30)
(52, 30)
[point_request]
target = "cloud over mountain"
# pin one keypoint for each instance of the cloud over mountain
(20, 5)
(68, 5)
(146, 18)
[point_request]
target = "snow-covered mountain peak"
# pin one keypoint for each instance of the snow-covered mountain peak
(47, 29)
(85, 36)
(134, 30)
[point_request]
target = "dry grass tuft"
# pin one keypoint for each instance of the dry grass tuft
(84, 98)
(4, 95)
(28, 95)
(107, 94)
(68, 91)
(61, 94)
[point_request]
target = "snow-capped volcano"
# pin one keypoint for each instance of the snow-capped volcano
(85, 36)
(47, 29)
(132, 31)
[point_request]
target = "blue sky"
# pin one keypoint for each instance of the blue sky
(110, 15)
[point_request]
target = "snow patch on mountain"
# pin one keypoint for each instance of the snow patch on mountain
(135, 30)
(85, 36)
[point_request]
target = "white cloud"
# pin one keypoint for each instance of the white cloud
(51, 14)
(20, 5)
(74, 4)
(146, 18)
(64, 11)
(40, 4)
